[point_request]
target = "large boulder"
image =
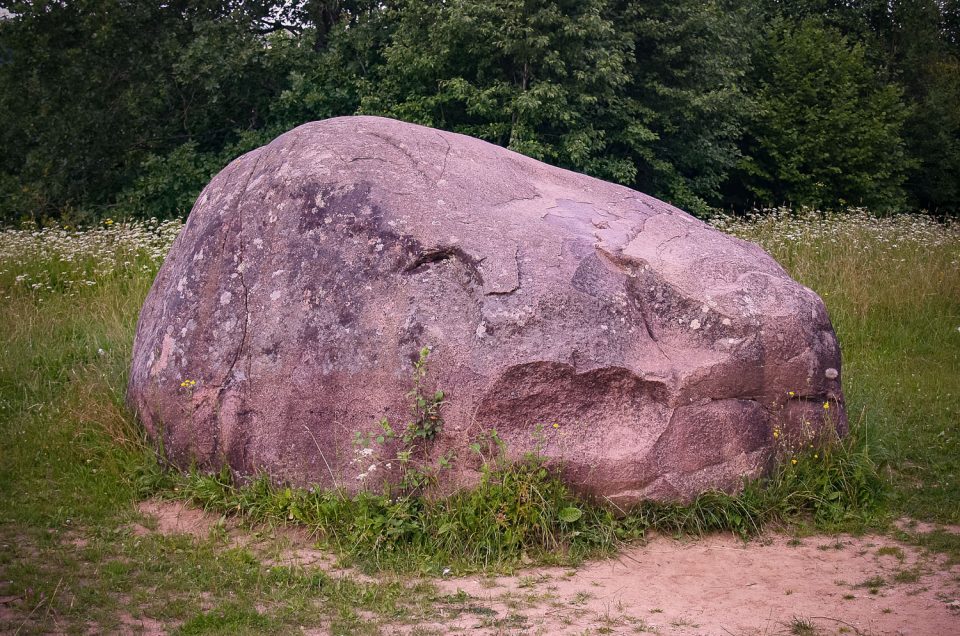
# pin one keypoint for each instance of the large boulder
(643, 353)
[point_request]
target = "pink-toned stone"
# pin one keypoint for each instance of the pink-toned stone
(311, 271)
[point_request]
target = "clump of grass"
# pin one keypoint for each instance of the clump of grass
(893, 551)
(802, 627)
(523, 513)
(910, 575)
(873, 583)
(835, 486)
(230, 617)
(517, 514)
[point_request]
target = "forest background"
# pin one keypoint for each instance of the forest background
(127, 108)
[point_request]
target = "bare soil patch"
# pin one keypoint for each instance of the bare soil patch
(715, 585)
(721, 585)
(275, 546)
(924, 527)
(175, 517)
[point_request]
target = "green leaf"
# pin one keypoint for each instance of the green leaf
(570, 514)
(447, 527)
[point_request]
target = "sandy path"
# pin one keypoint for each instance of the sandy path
(720, 585)
(715, 585)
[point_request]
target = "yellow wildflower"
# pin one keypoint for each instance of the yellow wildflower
(826, 406)
(794, 461)
(556, 425)
(791, 393)
(188, 383)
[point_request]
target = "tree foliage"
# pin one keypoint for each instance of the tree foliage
(826, 130)
(688, 71)
(94, 90)
(914, 45)
(537, 76)
(115, 107)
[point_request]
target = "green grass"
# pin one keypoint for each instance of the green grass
(520, 513)
(802, 627)
(938, 541)
(892, 287)
(73, 464)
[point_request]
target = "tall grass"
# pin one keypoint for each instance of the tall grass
(69, 305)
(892, 287)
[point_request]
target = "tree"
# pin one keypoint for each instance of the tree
(540, 77)
(94, 88)
(647, 95)
(687, 86)
(915, 44)
(331, 80)
(129, 106)
(925, 56)
(826, 130)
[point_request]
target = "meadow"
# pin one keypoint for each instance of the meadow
(74, 464)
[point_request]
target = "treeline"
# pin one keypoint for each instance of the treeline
(127, 107)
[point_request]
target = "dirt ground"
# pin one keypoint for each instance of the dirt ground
(721, 585)
(716, 585)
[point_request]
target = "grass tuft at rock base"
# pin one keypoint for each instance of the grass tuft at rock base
(522, 513)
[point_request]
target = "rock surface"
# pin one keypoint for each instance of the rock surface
(645, 353)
